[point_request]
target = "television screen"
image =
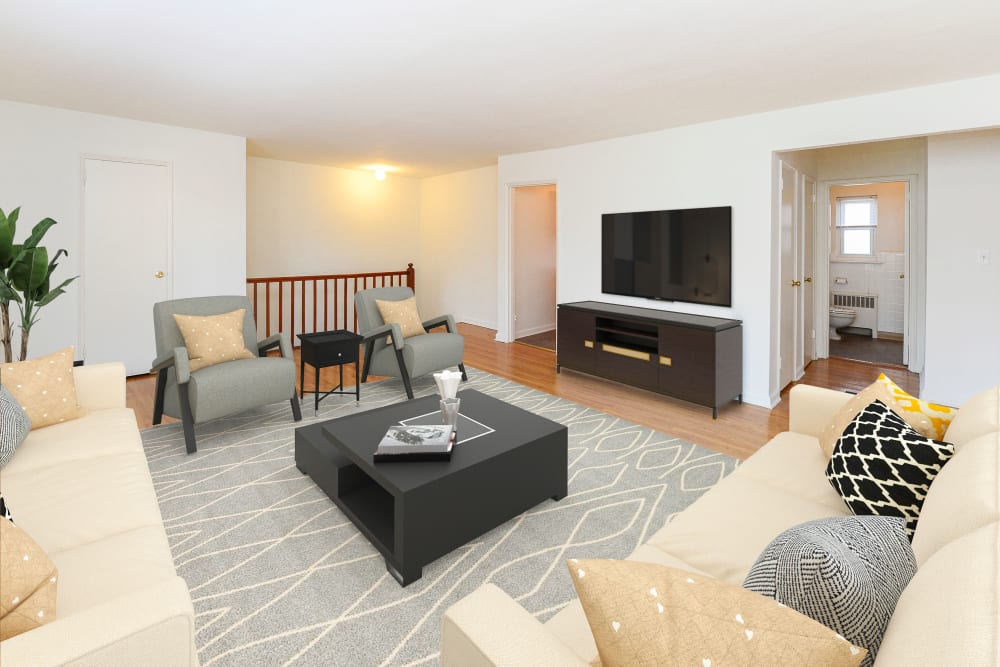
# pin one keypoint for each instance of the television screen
(680, 255)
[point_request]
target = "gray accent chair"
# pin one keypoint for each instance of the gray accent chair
(410, 357)
(223, 389)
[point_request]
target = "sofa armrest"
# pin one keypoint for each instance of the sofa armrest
(811, 409)
(489, 628)
(100, 386)
(154, 626)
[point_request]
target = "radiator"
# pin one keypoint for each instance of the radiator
(864, 305)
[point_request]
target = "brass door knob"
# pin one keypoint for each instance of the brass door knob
(158, 274)
(796, 283)
(809, 280)
(902, 275)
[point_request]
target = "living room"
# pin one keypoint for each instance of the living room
(263, 183)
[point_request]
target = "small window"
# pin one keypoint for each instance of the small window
(854, 233)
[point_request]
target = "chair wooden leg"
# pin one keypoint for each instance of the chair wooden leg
(161, 389)
(465, 377)
(404, 374)
(296, 412)
(187, 419)
(369, 347)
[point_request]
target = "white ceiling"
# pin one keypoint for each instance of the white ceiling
(440, 85)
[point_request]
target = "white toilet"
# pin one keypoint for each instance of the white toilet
(840, 317)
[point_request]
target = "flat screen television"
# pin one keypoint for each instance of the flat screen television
(679, 255)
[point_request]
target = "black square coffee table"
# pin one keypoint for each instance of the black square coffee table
(415, 512)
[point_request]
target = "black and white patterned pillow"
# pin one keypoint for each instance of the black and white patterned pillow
(880, 465)
(14, 425)
(5, 511)
(844, 572)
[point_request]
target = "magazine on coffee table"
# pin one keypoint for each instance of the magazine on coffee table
(416, 442)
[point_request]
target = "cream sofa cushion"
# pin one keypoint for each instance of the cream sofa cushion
(118, 489)
(795, 463)
(948, 613)
(724, 531)
(114, 566)
(98, 433)
(965, 495)
(978, 416)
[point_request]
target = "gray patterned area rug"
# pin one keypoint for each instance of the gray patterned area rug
(279, 576)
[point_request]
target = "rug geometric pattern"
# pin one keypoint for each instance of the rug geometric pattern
(279, 576)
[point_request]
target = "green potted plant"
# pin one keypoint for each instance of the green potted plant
(25, 278)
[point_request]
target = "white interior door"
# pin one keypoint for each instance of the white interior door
(789, 291)
(808, 228)
(126, 222)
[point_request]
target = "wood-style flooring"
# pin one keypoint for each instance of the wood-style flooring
(739, 431)
(546, 339)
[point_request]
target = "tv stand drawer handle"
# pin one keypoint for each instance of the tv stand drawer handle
(625, 352)
(666, 361)
(588, 343)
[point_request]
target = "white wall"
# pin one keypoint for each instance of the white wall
(534, 217)
(306, 219)
(40, 170)
(963, 294)
(458, 253)
(727, 162)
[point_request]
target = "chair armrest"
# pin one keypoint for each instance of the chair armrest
(100, 386)
(489, 628)
(281, 340)
(153, 626)
(447, 320)
(166, 361)
(178, 358)
(811, 409)
(385, 330)
(182, 365)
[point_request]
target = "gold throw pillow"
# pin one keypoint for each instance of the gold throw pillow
(939, 416)
(649, 614)
(876, 391)
(213, 339)
(27, 582)
(404, 313)
(44, 387)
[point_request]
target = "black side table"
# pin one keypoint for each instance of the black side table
(329, 348)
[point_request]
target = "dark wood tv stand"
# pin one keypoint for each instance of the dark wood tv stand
(691, 357)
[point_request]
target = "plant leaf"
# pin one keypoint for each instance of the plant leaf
(8, 225)
(7, 292)
(37, 232)
(30, 271)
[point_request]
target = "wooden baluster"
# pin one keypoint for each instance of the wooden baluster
(355, 310)
(411, 280)
(326, 304)
(303, 287)
(291, 309)
(314, 304)
(281, 306)
(344, 303)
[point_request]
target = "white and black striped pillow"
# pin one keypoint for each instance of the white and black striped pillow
(5, 511)
(880, 465)
(844, 572)
(14, 425)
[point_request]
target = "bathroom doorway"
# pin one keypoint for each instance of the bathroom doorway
(869, 226)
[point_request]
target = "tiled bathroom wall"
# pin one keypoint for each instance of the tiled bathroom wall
(881, 278)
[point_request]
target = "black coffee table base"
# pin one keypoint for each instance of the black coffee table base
(415, 527)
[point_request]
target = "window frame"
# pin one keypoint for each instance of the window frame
(839, 229)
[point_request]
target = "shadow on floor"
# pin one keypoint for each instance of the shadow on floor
(865, 348)
(546, 340)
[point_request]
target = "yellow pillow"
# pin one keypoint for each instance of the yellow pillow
(404, 313)
(213, 339)
(940, 416)
(873, 392)
(27, 580)
(44, 387)
(649, 614)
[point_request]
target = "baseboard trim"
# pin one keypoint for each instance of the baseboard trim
(531, 331)
(478, 323)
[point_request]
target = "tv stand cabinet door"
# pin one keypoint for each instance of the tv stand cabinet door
(687, 364)
(575, 344)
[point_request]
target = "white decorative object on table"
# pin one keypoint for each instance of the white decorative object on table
(447, 383)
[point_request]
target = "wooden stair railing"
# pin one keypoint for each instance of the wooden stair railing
(323, 306)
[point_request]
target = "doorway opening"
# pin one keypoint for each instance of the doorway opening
(850, 229)
(533, 222)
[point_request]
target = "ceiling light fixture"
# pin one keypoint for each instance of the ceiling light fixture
(380, 174)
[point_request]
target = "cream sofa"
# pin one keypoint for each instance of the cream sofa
(948, 614)
(82, 490)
